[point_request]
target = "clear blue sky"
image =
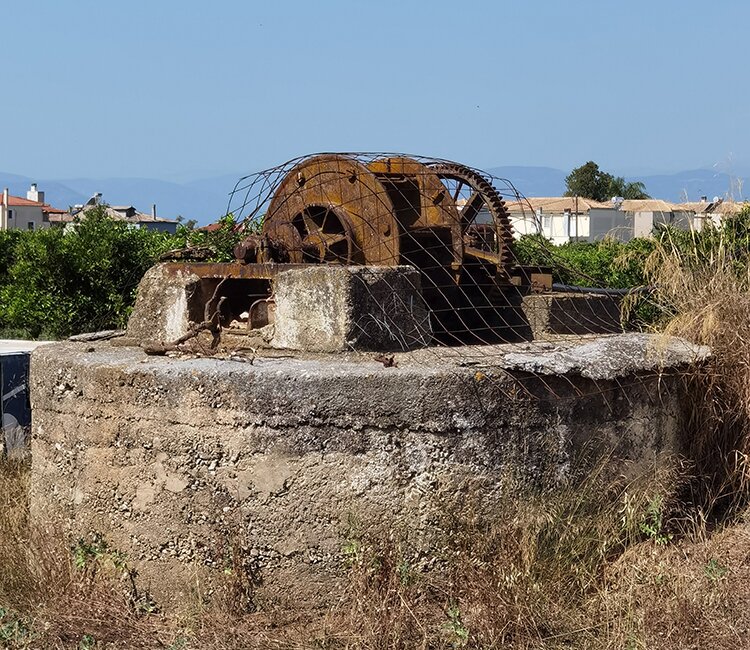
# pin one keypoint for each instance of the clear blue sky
(173, 89)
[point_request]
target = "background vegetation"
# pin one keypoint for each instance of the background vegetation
(56, 282)
(606, 263)
(590, 182)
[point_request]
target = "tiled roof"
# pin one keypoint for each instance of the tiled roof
(211, 227)
(20, 202)
(712, 207)
(555, 204)
(646, 205)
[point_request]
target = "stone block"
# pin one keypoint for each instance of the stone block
(335, 308)
(162, 307)
(572, 313)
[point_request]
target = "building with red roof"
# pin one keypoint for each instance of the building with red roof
(28, 213)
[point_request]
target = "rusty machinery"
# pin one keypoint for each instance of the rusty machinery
(442, 218)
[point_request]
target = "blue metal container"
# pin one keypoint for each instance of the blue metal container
(15, 409)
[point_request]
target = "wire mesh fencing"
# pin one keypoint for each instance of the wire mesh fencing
(474, 301)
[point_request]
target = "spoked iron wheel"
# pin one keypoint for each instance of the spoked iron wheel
(482, 302)
(326, 235)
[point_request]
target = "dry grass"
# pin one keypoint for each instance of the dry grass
(702, 283)
(52, 596)
(587, 566)
(690, 594)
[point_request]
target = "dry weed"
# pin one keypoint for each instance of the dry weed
(591, 565)
(701, 283)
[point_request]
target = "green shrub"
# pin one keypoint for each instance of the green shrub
(220, 242)
(8, 242)
(56, 282)
(606, 263)
(61, 281)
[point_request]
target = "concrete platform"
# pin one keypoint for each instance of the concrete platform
(17, 346)
(178, 461)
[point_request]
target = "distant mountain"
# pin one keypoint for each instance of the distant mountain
(56, 193)
(533, 181)
(171, 199)
(691, 185)
(205, 200)
(191, 201)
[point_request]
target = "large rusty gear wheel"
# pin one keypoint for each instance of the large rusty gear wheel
(331, 208)
(319, 234)
(444, 219)
(483, 195)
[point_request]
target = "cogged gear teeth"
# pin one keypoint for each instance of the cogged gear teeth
(492, 200)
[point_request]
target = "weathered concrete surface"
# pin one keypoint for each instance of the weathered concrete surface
(606, 357)
(571, 313)
(331, 308)
(162, 306)
(176, 461)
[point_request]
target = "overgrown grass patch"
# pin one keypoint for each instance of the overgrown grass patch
(601, 564)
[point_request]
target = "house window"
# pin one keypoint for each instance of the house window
(10, 214)
(31, 225)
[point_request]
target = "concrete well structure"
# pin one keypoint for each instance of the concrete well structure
(176, 461)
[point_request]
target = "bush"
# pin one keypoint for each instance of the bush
(57, 282)
(62, 281)
(607, 263)
(8, 242)
(220, 242)
(701, 287)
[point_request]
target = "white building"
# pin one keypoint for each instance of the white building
(564, 219)
(28, 213)
(560, 219)
(711, 211)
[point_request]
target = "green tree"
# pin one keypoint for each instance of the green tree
(60, 281)
(8, 241)
(83, 278)
(632, 190)
(590, 182)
